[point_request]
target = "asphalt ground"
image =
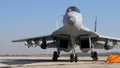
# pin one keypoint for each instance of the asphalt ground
(46, 62)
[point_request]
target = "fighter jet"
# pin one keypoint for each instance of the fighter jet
(71, 35)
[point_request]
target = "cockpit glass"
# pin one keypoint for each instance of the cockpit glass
(74, 9)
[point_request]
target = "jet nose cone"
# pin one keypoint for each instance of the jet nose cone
(71, 20)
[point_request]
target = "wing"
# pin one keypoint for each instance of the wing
(98, 36)
(100, 41)
(35, 41)
(48, 37)
(104, 38)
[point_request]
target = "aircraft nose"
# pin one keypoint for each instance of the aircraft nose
(71, 20)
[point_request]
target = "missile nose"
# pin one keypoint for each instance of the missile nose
(71, 20)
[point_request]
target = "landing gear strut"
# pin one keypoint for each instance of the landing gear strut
(94, 56)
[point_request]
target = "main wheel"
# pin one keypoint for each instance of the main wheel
(76, 58)
(95, 56)
(55, 56)
(71, 57)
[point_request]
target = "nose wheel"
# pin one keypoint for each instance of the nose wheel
(73, 57)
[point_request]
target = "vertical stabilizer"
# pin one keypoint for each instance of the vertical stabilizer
(56, 24)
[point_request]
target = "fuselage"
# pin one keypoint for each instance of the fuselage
(72, 22)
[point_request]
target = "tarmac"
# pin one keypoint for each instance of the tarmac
(46, 62)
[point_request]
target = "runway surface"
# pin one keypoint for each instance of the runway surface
(46, 62)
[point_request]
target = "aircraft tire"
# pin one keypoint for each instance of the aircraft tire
(55, 56)
(95, 56)
(71, 57)
(76, 58)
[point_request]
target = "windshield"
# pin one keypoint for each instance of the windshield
(73, 9)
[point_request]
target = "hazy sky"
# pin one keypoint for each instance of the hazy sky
(29, 18)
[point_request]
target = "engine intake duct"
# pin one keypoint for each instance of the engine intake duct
(64, 43)
(84, 42)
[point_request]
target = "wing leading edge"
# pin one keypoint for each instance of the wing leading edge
(103, 38)
(98, 36)
(47, 37)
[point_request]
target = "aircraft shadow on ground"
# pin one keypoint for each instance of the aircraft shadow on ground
(24, 61)
(29, 61)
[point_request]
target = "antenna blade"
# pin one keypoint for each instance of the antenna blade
(95, 25)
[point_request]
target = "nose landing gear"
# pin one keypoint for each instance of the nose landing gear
(73, 57)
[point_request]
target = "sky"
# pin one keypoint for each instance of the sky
(30, 18)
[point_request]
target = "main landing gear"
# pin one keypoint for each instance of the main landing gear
(55, 55)
(94, 56)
